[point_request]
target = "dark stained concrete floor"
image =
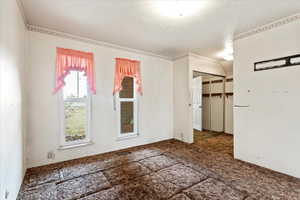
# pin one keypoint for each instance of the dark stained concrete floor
(164, 170)
(214, 141)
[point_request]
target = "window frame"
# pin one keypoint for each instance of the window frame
(135, 132)
(63, 144)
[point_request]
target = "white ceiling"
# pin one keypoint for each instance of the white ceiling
(139, 24)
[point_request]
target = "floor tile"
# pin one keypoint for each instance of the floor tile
(109, 194)
(158, 162)
(260, 198)
(81, 186)
(181, 175)
(180, 197)
(143, 153)
(73, 171)
(157, 185)
(41, 177)
(214, 190)
(136, 191)
(126, 172)
(40, 192)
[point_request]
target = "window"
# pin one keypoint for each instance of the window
(127, 107)
(76, 102)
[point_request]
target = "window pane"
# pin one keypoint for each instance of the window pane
(127, 117)
(75, 106)
(76, 85)
(75, 120)
(127, 85)
(82, 85)
(70, 88)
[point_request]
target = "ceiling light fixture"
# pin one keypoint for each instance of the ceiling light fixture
(177, 8)
(226, 56)
(227, 53)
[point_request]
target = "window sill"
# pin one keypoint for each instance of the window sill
(72, 146)
(127, 137)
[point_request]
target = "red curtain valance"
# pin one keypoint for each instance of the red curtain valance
(130, 68)
(67, 60)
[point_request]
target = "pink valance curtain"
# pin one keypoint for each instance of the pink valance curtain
(130, 68)
(67, 60)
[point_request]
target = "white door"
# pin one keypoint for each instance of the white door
(197, 103)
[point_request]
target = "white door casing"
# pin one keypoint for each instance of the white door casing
(197, 103)
(229, 114)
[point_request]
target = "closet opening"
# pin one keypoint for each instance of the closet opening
(213, 112)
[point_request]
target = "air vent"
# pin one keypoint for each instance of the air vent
(287, 61)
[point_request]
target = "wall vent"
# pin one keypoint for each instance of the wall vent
(287, 61)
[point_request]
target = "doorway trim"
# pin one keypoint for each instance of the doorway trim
(191, 79)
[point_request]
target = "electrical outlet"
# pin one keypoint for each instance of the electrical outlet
(181, 135)
(50, 155)
(6, 194)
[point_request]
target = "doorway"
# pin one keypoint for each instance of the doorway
(210, 112)
(197, 102)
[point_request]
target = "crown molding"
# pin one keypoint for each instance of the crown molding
(22, 12)
(52, 32)
(202, 58)
(180, 56)
(205, 59)
(269, 26)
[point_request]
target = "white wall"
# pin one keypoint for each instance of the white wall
(206, 65)
(182, 119)
(156, 106)
(183, 76)
(267, 133)
(12, 64)
(228, 67)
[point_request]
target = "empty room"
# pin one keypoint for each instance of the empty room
(149, 100)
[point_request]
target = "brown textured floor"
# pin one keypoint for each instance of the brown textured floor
(213, 141)
(165, 170)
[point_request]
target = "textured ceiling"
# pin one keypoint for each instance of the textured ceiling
(143, 25)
